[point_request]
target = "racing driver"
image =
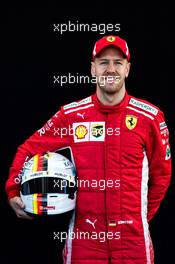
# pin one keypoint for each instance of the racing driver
(115, 138)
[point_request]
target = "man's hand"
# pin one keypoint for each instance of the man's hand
(18, 206)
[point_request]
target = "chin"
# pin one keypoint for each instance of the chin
(111, 90)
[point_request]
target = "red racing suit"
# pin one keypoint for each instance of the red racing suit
(123, 163)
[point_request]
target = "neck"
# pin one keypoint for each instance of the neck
(111, 99)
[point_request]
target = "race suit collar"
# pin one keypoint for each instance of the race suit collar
(110, 109)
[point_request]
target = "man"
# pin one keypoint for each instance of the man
(122, 156)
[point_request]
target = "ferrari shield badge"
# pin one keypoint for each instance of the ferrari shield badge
(131, 121)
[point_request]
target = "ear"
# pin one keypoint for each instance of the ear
(93, 69)
(128, 66)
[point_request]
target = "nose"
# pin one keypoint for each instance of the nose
(111, 67)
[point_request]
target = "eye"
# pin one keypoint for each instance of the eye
(104, 63)
(118, 63)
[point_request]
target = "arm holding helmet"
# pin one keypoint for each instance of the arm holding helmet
(45, 139)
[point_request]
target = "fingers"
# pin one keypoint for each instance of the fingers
(20, 202)
(18, 206)
(23, 215)
(17, 202)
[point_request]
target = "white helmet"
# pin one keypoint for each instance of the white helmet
(48, 184)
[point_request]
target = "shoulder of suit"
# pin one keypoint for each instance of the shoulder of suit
(144, 107)
(78, 105)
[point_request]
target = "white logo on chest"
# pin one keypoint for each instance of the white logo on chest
(82, 115)
(91, 223)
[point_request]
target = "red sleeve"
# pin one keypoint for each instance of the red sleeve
(52, 136)
(159, 157)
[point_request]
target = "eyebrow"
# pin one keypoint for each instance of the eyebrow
(109, 59)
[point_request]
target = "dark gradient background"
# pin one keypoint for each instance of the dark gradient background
(31, 54)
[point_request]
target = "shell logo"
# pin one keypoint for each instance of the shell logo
(81, 131)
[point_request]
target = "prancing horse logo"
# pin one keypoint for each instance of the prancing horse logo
(131, 121)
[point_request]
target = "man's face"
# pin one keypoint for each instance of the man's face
(110, 69)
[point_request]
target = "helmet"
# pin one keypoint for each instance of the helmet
(48, 184)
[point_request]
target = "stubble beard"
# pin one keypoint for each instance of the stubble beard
(110, 89)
